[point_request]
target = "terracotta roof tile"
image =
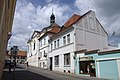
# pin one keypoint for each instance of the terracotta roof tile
(22, 53)
(72, 20)
(55, 30)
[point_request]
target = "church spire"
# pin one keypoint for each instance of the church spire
(52, 18)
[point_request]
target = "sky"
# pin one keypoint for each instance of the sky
(33, 15)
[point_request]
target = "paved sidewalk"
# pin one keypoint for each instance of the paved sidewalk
(56, 75)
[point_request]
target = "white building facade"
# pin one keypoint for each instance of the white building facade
(33, 49)
(38, 46)
(45, 35)
(80, 33)
(56, 46)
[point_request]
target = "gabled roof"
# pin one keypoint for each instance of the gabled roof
(35, 32)
(53, 28)
(72, 20)
(101, 26)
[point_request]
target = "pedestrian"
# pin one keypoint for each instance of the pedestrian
(27, 65)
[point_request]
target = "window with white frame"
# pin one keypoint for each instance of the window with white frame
(67, 59)
(57, 60)
(68, 38)
(58, 43)
(64, 40)
(54, 44)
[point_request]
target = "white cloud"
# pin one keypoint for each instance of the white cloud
(48, 1)
(107, 11)
(85, 5)
(29, 18)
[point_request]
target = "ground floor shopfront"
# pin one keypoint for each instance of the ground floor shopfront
(87, 67)
(99, 64)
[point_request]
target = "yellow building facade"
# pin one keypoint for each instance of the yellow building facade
(7, 9)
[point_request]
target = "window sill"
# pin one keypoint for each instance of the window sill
(66, 65)
(56, 66)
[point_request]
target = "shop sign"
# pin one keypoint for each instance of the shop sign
(86, 58)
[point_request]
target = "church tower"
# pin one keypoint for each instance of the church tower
(52, 18)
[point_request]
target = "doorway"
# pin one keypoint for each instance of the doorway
(51, 63)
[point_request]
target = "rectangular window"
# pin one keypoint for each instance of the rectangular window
(58, 43)
(43, 64)
(45, 54)
(64, 40)
(67, 59)
(41, 43)
(54, 44)
(68, 38)
(51, 46)
(34, 46)
(44, 41)
(57, 60)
